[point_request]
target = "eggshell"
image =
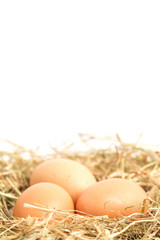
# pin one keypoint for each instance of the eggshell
(44, 195)
(112, 197)
(74, 177)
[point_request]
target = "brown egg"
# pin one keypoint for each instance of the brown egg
(112, 197)
(74, 177)
(43, 195)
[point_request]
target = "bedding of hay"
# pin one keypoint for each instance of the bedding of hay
(117, 160)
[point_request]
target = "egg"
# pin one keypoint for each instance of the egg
(74, 177)
(112, 197)
(42, 195)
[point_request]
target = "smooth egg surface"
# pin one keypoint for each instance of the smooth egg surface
(42, 195)
(112, 197)
(74, 177)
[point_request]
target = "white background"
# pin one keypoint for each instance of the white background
(69, 67)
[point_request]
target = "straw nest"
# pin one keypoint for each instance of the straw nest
(117, 160)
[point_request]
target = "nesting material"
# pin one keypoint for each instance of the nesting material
(121, 160)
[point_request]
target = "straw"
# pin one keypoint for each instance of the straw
(118, 159)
